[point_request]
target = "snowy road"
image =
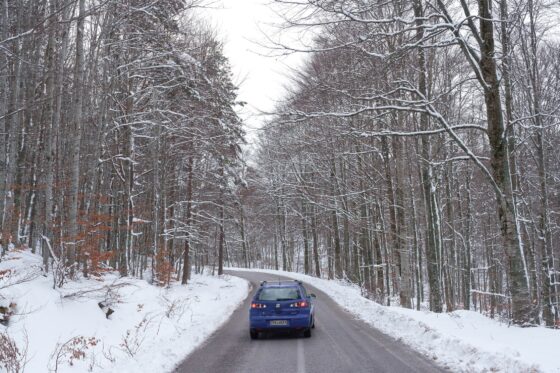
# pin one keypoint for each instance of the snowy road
(339, 344)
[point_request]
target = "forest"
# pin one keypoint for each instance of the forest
(120, 138)
(414, 154)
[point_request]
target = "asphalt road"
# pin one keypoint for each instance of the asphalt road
(339, 344)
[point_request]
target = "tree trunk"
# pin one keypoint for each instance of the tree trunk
(405, 284)
(432, 231)
(77, 104)
(305, 233)
(315, 244)
(523, 312)
(244, 248)
(188, 212)
(221, 237)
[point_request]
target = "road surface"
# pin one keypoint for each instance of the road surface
(339, 344)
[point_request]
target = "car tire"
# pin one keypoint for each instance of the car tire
(254, 334)
(307, 333)
(313, 323)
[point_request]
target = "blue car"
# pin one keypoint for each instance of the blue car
(282, 306)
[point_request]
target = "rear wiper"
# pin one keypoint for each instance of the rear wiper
(281, 299)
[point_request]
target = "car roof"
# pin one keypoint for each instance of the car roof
(285, 283)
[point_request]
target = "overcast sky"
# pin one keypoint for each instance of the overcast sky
(260, 78)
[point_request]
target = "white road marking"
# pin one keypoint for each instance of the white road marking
(300, 357)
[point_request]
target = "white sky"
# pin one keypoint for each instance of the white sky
(260, 78)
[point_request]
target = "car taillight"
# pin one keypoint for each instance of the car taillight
(299, 304)
(258, 305)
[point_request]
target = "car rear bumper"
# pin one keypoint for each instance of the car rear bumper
(295, 322)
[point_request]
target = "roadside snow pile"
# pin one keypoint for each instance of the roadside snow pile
(151, 329)
(463, 341)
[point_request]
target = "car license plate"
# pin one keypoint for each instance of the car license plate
(279, 322)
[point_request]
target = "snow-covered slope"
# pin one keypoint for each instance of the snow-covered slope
(463, 341)
(151, 330)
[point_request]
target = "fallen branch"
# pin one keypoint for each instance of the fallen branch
(10, 278)
(107, 288)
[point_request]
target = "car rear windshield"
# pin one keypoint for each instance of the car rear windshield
(280, 293)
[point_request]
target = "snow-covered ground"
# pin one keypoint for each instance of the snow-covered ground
(151, 330)
(463, 341)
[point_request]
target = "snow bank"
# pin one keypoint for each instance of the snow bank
(151, 330)
(463, 341)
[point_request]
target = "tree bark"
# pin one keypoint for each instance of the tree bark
(433, 248)
(523, 312)
(188, 212)
(77, 103)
